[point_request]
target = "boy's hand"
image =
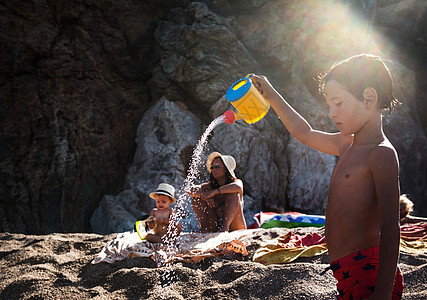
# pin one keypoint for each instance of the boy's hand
(261, 83)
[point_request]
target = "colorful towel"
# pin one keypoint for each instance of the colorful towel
(414, 231)
(413, 238)
(289, 247)
(290, 220)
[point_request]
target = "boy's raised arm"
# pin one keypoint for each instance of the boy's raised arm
(325, 142)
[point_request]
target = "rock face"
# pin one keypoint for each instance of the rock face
(75, 80)
(72, 92)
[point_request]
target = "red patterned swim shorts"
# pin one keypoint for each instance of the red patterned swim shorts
(357, 275)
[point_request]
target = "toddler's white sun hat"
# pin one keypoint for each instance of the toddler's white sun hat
(165, 189)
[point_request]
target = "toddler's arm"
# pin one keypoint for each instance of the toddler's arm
(151, 221)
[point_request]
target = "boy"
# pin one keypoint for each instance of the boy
(362, 213)
(159, 217)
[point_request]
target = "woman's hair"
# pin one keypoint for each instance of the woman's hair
(406, 203)
(359, 72)
(228, 178)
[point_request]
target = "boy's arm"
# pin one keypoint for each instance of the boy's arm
(325, 142)
(384, 166)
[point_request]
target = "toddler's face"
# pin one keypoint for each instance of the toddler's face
(162, 201)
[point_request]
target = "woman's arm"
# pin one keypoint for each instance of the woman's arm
(234, 187)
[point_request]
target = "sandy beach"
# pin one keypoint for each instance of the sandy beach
(58, 266)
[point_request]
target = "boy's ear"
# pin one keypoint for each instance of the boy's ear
(370, 96)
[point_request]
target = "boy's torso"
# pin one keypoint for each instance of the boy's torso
(352, 213)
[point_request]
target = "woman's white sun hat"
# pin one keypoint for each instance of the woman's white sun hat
(165, 189)
(228, 161)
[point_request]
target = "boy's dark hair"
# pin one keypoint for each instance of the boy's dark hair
(360, 72)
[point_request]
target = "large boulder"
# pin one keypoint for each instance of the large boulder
(165, 139)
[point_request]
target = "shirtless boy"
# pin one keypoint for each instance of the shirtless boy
(362, 213)
(159, 217)
(218, 204)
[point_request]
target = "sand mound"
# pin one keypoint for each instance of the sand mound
(58, 266)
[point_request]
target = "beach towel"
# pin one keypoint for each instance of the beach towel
(413, 238)
(260, 218)
(125, 245)
(195, 256)
(414, 231)
(291, 220)
(189, 247)
(289, 247)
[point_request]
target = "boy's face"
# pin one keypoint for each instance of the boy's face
(349, 114)
(162, 201)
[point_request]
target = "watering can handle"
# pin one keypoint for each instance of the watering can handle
(255, 82)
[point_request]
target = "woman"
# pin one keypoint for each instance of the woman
(218, 203)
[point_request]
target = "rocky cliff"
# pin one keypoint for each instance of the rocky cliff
(101, 100)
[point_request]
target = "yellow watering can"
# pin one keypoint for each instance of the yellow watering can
(250, 103)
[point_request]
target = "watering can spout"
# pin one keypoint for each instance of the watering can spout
(230, 116)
